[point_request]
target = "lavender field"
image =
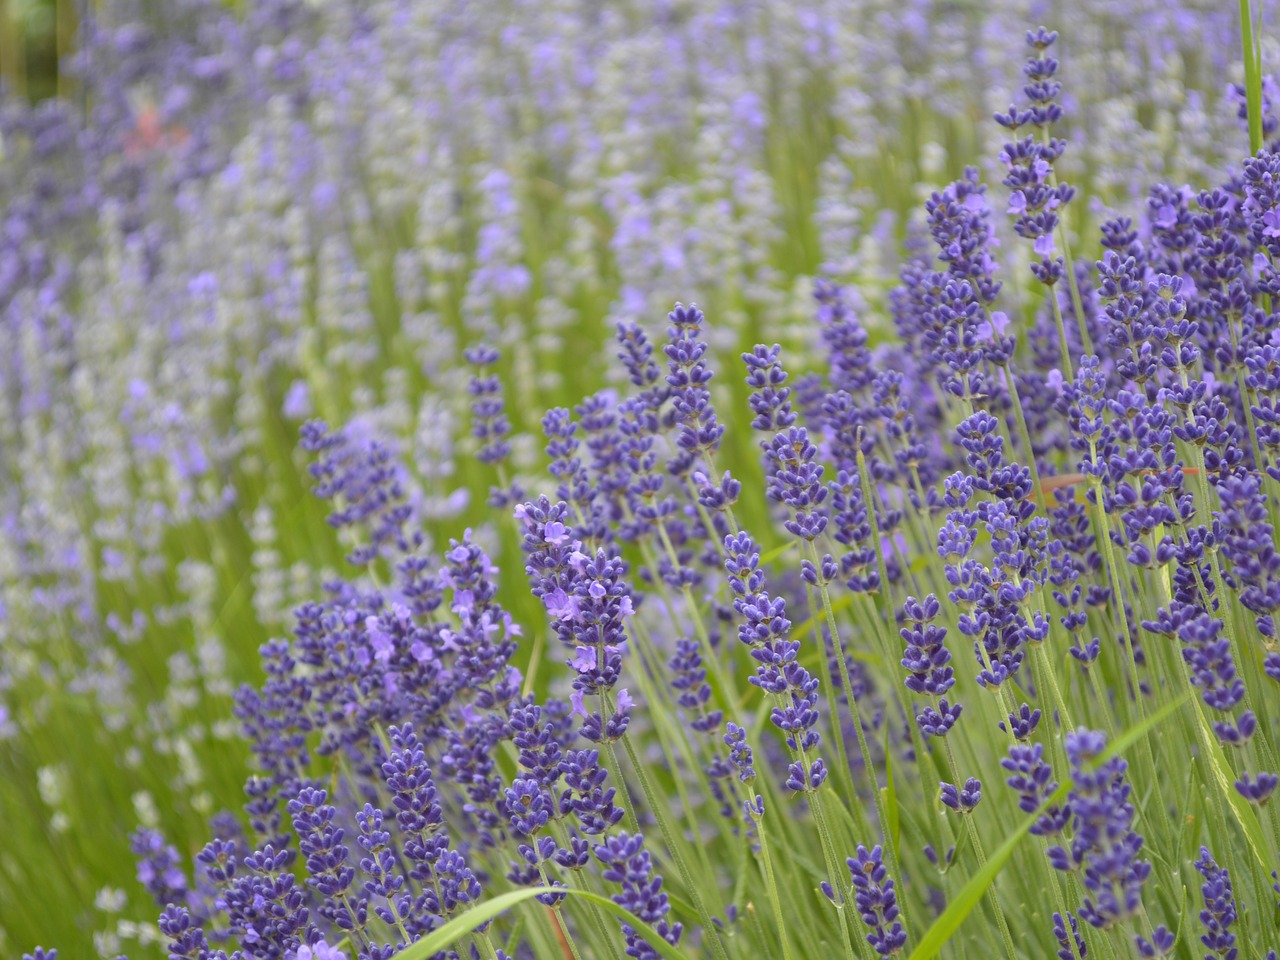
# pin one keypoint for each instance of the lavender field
(678, 480)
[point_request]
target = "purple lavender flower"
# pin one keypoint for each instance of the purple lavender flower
(1160, 944)
(1032, 777)
(1172, 229)
(1262, 213)
(845, 339)
(1209, 661)
(953, 321)
(926, 657)
(958, 221)
(489, 423)
(1271, 666)
(457, 883)
(770, 397)
(1219, 911)
(366, 482)
(317, 951)
(699, 432)
(1064, 944)
(1105, 845)
(1257, 789)
(186, 938)
(764, 630)
(961, 799)
(1128, 329)
(927, 660)
(1086, 405)
(626, 862)
(1248, 546)
(320, 841)
(796, 481)
(380, 866)
(265, 907)
(1022, 722)
(636, 354)
(158, 868)
(566, 466)
(486, 635)
(587, 796)
(693, 693)
(850, 520)
(741, 763)
(1034, 201)
(740, 755)
(877, 901)
(1263, 364)
(529, 808)
(639, 482)
(910, 453)
(588, 600)
(418, 812)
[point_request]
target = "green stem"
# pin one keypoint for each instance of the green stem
(1100, 695)
(728, 690)
(864, 480)
(1252, 78)
(1025, 436)
(1001, 922)
(658, 805)
(12, 55)
(833, 705)
(559, 915)
(486, 946)
(1077, 306)
(1041, 653)
(1109, 559)
(624, 791)
(674, 741)
(839, 876)
(972, 829)
(1067, 370)
(881, 813)
(767, 861)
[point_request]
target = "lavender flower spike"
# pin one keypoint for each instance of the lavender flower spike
(700, 433)
(877, 901)
(626, 862)
(765, 630)
(927, 662)
(1105, 845)
(1219, 911)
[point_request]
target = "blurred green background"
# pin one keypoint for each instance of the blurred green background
(35, 36)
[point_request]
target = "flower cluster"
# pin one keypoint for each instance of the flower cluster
(415, 221)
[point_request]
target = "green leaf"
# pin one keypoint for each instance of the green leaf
(1182, 916)
(1244, 813)
(938, 935)
(942, 930)
(770, 555)
(462, 926)
(1139, 730)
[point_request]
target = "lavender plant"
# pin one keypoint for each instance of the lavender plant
(901, 673)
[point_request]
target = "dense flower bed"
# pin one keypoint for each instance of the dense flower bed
(883, 640)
